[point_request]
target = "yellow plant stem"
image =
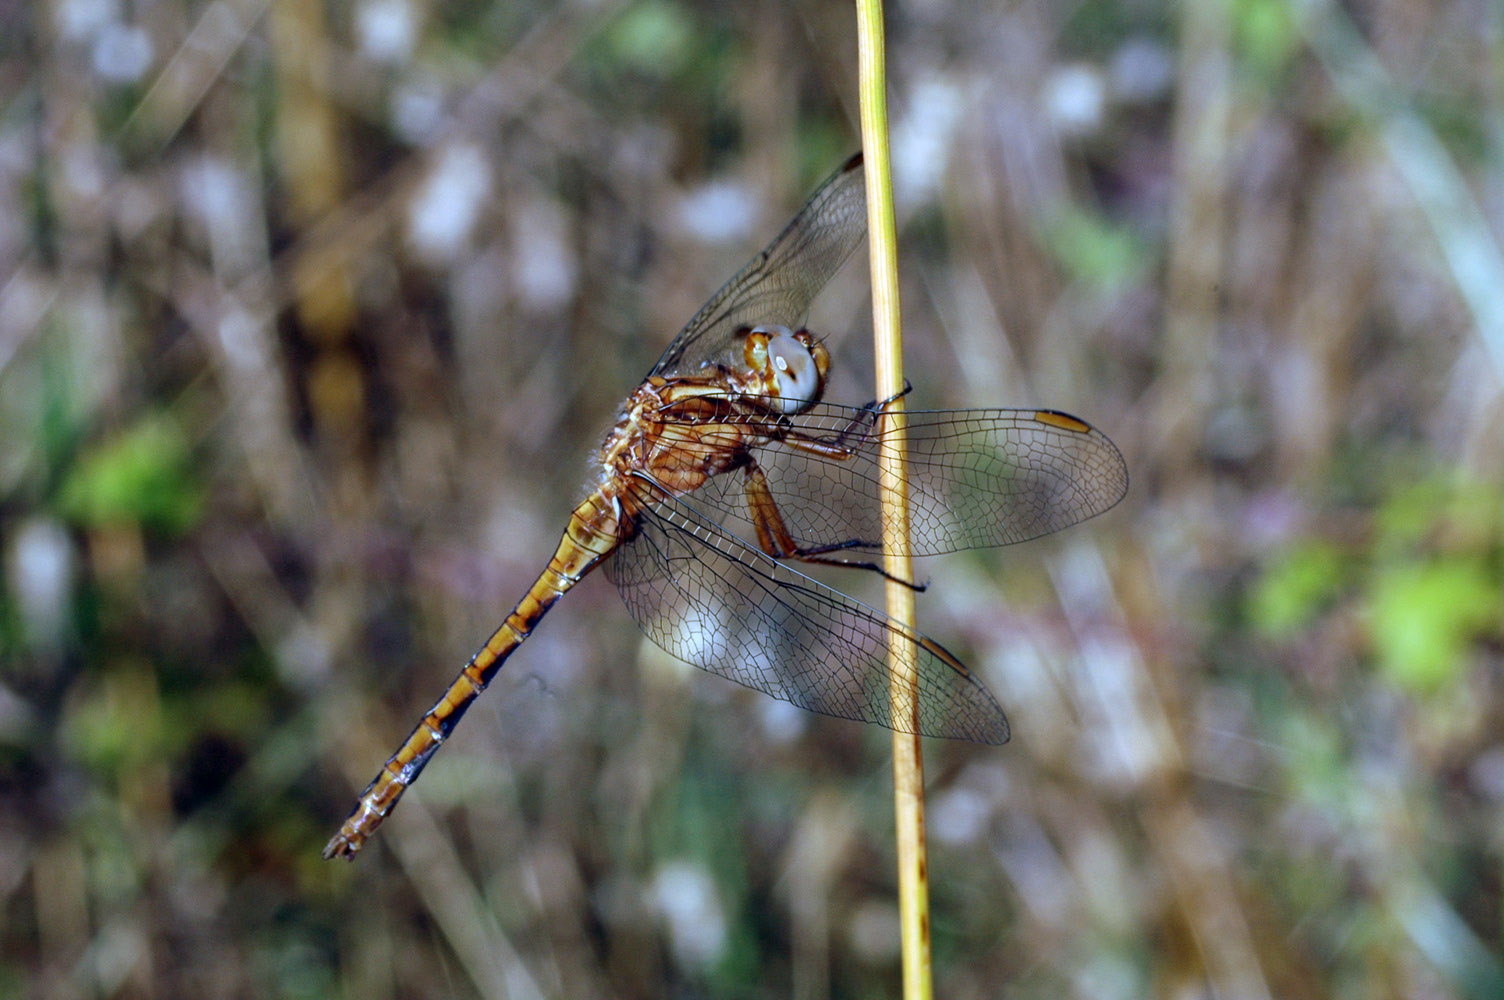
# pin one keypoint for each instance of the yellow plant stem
(908, 759)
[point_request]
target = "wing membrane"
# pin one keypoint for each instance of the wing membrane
(977, 478)
(778, 285)
(711, 600)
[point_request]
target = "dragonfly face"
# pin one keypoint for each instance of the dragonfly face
(785, 371)
(725, 471)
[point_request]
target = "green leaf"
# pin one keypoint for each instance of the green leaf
(1302, 583)
(654, 37)
(114, 724)
(1093, 250)
(1422, 617)
(1411, 514)
(142, 476)
(1267, 35)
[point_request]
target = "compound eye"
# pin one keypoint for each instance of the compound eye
(794, 372)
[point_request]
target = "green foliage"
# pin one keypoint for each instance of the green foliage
(1461, 516)
(1266, 36)
(1297, 586)
(1422, 618)
(1405, 517)
(1435, 590)
(235, 708)
(116, 724)
(1317, 768)
(652, 45)
(467, 32)
(1095, 251)
(655, 38)
(57, 409)
(1428, 580)
(1096, 28)
(661, 57)
(289, 965)
(141, 476)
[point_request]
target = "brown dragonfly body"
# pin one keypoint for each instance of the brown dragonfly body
(673, 435)
(729, 429)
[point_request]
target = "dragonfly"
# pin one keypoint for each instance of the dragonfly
(725, 471)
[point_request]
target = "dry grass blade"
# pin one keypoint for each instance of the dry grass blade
(887, 329)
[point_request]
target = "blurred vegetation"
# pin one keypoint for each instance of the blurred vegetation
(310, 313)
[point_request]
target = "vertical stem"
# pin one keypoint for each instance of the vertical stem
(908, 760)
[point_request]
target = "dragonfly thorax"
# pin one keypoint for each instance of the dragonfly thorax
(785, 368)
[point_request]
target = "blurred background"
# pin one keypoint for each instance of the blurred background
(311, 313)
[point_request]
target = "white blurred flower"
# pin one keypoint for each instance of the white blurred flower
(447, 204)
(1074, 97)
(686, 900)
(41, 574)
(123, 53)
(544, 265)
(958, 816)
(782, 722)
(212, 190)
(77, 20)
(418, 108)
(386, 30)
(1142, 70)
(719, 212)
(923, 138)
(874, 931)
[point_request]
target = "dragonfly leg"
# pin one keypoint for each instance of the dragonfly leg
(854, 437)
(773, 535)
(882, 405)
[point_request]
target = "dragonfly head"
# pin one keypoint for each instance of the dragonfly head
(785, 367)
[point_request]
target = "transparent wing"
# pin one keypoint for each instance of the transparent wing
(779, 284)
(711, 600)
(977, 478)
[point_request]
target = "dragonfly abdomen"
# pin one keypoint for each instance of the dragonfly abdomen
(591, 535)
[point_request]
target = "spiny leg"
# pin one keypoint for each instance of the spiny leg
(774, 538)
(852, 439)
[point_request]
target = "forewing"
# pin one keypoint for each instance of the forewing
(977, 478)
(778, 285)
(711, 600)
